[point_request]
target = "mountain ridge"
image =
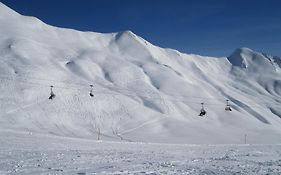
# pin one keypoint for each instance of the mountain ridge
(141, 92)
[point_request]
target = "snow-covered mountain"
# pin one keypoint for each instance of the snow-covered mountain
(141, 92)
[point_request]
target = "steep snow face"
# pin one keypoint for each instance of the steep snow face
(252, 61)
(141, 92)
(260, 68)
(275, 61)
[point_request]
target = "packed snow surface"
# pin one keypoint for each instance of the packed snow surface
(25, 154)
(145, 106)
(142, 93)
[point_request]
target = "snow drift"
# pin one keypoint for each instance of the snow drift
(141, 92)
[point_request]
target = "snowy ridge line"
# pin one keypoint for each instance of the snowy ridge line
(134, 84)
(147, 97)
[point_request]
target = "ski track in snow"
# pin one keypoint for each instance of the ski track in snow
(141, 93)
(23, 153)
(142, 125)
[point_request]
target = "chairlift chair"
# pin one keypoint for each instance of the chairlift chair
(227, 107)
(91, 91)
(202, 111)
(52, 94)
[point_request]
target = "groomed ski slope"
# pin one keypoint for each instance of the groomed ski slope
(25, 154)
(143, 93)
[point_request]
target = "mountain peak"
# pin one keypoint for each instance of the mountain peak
(239, 57)
(126, 33)
(131, 78)
(251, 60)
(244, 49)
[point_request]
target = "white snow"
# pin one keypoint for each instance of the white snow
(142, 92)
(146, 104)
(25, 154)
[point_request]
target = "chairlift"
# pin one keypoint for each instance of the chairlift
(202, 111)
(227, 107)
(91, 91)
(52, 95)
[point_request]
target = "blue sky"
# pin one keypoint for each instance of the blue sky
(206, 27)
